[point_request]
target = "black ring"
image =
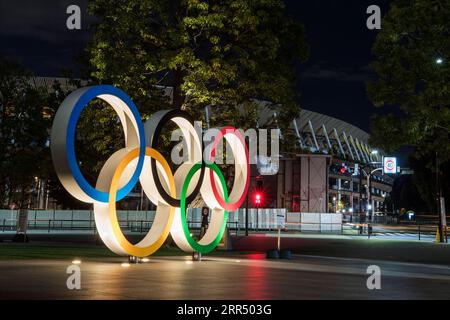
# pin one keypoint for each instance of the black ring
(167, 197)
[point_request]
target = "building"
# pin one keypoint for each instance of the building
(330, 171)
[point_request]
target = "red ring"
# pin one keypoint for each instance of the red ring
(237, 204)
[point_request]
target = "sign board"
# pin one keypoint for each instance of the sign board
(443, 216)
(407, 171)
(281, 219)
(356, 170)
(389, 165)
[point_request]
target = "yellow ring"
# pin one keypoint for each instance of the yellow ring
(128, 247)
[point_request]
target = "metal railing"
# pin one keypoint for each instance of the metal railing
(136, 226)
(414, 232)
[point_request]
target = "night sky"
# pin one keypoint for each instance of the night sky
(331, 82)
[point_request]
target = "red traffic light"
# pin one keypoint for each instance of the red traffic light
(258, 198)
(343, 168)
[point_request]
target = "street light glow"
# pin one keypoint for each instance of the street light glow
(374, 151)
(439, 60)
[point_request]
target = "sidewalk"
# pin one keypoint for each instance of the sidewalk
(349, 247)
(378, 235)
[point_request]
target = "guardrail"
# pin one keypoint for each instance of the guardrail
(417, 232)
(391, 219)
(142, 226)
(137, 226)
(262, 219)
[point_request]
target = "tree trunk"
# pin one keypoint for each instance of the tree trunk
(178, 97)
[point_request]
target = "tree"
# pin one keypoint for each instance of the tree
(226, 54)
(412, 55)
(24, 123)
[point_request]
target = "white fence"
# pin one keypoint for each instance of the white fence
(314, 222)
(71, 219)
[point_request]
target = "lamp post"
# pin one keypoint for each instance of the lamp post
(334, 204)
(438, 189)
(361, 170)
(438, 202)
(438, 186)
(370, 206)
(246, 216)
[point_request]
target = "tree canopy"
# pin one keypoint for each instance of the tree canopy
(226, 54)
(412, 65)
(24, 123)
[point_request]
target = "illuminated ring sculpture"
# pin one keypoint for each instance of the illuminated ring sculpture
(171, 193)
(242, 169)
(180, 230)
(63, 139)
(106, 215)
(153, 129)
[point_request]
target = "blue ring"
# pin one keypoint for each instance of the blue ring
(82, 102)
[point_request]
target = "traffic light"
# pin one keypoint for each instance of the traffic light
(258, 198)
(259, 194)
(344, 169)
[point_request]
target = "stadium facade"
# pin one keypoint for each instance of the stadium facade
(330, 171)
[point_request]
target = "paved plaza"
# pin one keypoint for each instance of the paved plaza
(232, 277)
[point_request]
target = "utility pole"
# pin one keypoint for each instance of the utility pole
(246, 216)
(369, 197)
(438, 186)
(438, 201)
(368, 193)
(360, 188)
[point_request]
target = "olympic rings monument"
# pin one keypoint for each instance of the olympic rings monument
(139, 161)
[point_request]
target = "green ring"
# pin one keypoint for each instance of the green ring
(194, 244)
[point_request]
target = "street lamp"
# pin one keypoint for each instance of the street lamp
(374, 154)
(439, 61)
